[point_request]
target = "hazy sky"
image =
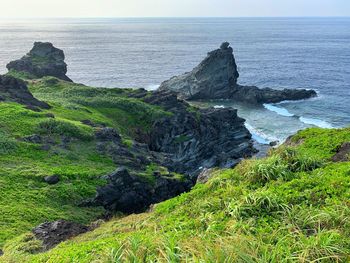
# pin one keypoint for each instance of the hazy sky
(145, 8)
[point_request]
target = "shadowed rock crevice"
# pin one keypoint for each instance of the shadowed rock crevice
(15, 90)
(216, 78)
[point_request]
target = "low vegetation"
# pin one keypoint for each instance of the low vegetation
(292, 206)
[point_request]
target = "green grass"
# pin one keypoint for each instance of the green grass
(292, 206)
(26, 200)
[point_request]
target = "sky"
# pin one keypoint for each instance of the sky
(172, 8)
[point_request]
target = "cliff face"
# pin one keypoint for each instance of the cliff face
(216, 78)
(43, 60)
(195, 139)
(12, 89)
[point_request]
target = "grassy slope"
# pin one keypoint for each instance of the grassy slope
(25, 200)
(291, 206)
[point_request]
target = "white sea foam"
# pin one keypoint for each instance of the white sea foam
(219, 107)
(316, 122)
(152, 87)
(258, 136)
(279, 110)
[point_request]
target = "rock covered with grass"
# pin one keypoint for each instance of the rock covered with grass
(216, 78)
(16, 90)
(43, 60)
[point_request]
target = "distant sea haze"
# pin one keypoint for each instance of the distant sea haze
(270, 52)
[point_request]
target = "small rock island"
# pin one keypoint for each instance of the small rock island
(216, 78)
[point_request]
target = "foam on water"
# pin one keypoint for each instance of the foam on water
(279, 110)
(316, 122)
(219, 107)
(258, 136)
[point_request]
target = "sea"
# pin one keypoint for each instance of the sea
(311, 53)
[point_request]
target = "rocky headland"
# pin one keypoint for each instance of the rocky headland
(216, 78)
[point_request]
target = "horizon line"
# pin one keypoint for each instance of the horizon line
(150, 17)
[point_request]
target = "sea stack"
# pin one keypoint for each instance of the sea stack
(43, 60)
(216, 78)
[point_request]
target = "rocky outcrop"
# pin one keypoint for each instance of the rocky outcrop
(194, 139)
(15, 90)
(133, 194)
(216, 78)
(53, 233)
(43, 60)
(342, 153)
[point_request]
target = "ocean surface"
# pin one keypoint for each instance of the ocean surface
(270, 52)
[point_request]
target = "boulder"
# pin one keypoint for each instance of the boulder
(16, 90)
(107, 134)
(53, 233)
(216, 78)
(43, 60)
(342, 153)
(52, 179)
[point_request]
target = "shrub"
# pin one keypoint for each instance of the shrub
(60, 127)
(7, 144)
(262, 171)
(298, 162)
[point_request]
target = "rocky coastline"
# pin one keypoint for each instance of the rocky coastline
(185, 144)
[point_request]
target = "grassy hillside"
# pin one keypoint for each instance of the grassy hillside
(292, 206)
(26, 200)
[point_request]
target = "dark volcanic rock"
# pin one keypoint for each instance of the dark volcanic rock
(52, 179)
(35, 138)
(43, 60)
(132, 194)
(198, 138)
(212, 78)
(12, 89)
(107, 134)
(343, 153)
(53, 233)
(216, 78)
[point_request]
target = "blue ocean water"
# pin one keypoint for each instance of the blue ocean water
(270, 52)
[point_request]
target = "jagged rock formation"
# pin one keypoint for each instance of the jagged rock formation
(193, 138)
(216, 78)
(12, 89)
(133, 194)
(53, 233)
(43, 60)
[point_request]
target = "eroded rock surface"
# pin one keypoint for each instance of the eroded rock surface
(43, 60)
(16, 90)
(133, 194)
(216, 78)
(53, 233)
(198, 138)
(343, 153)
